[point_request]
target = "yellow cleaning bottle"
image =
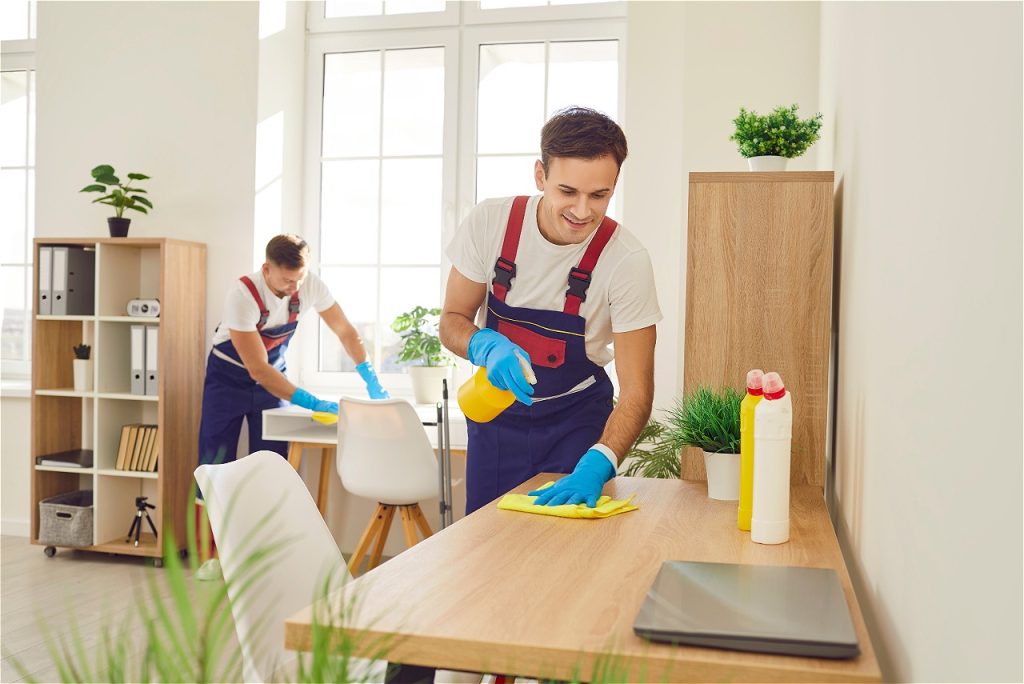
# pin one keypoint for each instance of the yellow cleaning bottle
(755, 393)
(481, 401)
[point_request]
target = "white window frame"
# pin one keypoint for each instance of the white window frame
(19, 55)
(470, 28)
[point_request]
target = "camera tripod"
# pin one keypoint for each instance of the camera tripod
(140, 511)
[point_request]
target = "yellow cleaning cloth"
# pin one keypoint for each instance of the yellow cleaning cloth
(325, 417)
(606, 506)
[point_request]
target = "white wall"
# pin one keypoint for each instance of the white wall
(689, 68)
(923, 112)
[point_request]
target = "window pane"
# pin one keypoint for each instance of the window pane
(584, 74)
(348, 212)
(500, 4)
(411, 211)
(401, 290)
(31, 223)
(355, 290)
(14, 20)
(351, 123)
(511, 98)
(412, 6)
(352, 8)
(413, 101)
(32, 116)
(15, 322)
(505, 176)
(13, 113)
(12, 215)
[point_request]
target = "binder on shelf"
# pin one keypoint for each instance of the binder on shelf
(59, 282)
(152, 356)
(129, 444)
(45, 281)
(76, 458)
(156, 453)
(140, 439)
(80, 281)
(149, 465)
(122, 448)
(138, 359)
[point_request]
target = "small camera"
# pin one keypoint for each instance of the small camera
(146, 308)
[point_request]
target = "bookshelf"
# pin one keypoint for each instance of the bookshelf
(63, 418)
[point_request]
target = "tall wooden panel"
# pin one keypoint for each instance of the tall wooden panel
(759, 295)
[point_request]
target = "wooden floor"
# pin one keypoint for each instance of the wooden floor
(41, 598)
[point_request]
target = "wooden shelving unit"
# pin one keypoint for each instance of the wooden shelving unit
(174, 272)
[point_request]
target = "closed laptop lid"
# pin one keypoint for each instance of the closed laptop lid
(771, 609)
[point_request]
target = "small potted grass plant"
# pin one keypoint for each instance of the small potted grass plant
(768, 141)
(429, 364)
(710, 421)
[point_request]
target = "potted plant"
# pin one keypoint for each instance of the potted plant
(768, 141)
(421, 348)
(119, 195)
(653, 454)
(710, 421)
(82, 366)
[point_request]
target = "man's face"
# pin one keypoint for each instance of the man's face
(283, 281)
(576, 195)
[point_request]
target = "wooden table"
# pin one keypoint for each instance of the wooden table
(513, 593)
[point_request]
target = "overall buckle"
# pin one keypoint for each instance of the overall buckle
(579, 281)
(504, 272)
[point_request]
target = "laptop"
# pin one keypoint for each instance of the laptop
(761, 608)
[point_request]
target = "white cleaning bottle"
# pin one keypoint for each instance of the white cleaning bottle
(773, 439)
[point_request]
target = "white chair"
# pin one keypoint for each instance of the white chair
(384, 455)
(260, 504)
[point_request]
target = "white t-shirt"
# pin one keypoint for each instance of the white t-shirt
(242, 313)
(621, 296)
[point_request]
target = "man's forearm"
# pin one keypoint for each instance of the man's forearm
(627, 420)
(274, 381)
(353, 345)
(455, 331)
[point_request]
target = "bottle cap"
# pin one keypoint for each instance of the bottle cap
(754, 382)
(773, 387)
(527, 369)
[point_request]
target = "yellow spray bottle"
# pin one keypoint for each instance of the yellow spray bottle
(481, 401)
(750, 401)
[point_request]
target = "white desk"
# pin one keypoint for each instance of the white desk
(296, 426)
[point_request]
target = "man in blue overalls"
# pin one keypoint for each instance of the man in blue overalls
(245, 372)
(566, 281)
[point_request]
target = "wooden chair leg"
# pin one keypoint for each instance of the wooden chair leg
(378, 549)
(369, 534)
(295, 455)
(408, 526)
(421, 520)
(326, 459)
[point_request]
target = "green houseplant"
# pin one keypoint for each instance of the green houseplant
(768, 141)
(119, 195)
(710, 421)
(421, 348)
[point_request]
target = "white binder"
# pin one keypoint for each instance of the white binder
(152, 356)
(138, 359)
(59, 305)
(45, 269)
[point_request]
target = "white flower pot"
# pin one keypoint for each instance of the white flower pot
(767, 163)
(83, 374)
(426, 382)
(723, 476)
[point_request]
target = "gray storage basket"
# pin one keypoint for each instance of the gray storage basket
(66, 519)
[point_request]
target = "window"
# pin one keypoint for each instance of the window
(409, 127)
(17, 185)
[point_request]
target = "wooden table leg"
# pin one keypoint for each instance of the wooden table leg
(295, 455)
(326, 460)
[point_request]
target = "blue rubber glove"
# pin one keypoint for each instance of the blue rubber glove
(497, 354)
(582, 485)
(308, 401)
(373, 386)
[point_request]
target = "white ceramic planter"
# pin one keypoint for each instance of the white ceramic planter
(723, 476)
(426, 382)
(767, 163)
(83, 374)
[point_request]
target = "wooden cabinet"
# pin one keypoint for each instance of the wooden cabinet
(759, 295)
(63, 419)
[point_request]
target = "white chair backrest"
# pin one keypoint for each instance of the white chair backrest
(259, 503)
(384, 453)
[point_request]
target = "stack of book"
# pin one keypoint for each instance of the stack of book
(139, 448)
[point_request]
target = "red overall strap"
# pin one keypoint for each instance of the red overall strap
(293, 307)
(579, 276)
(264, 312)
(505, 266)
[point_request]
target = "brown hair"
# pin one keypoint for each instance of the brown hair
(583, 133)
(289, 251)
